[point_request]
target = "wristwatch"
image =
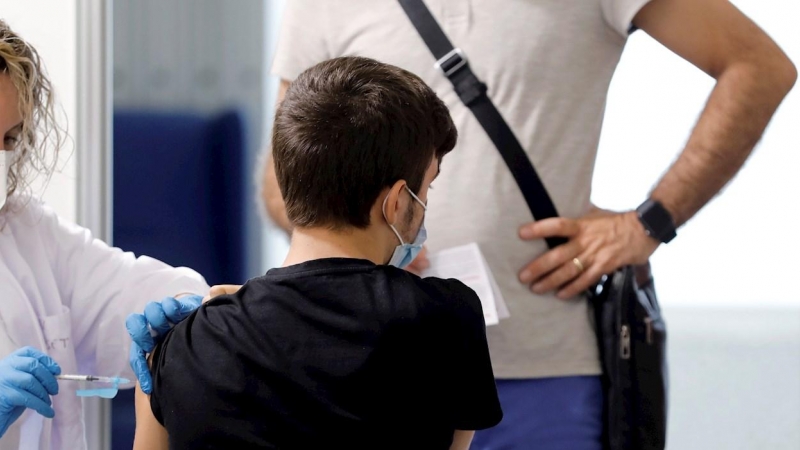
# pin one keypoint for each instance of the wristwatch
(657, 221)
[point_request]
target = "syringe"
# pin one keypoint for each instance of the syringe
(94, 378)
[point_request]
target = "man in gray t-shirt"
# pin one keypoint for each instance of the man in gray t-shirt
(548, 65)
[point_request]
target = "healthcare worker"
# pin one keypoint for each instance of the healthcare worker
(64, 296)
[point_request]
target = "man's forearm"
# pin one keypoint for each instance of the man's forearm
(739, 109)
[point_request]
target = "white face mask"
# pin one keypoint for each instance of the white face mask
(5, 162)
(405, 253)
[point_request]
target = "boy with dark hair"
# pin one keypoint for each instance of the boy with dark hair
(337, 348)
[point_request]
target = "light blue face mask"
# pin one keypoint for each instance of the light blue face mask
(405, 253)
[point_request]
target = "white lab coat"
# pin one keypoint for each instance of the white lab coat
(68, 295)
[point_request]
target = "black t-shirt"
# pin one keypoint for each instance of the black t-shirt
(331, 353)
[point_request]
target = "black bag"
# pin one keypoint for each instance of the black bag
(632, 337)
(631, 332)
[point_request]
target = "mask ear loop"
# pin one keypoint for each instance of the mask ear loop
(383, 210)
(424, 206)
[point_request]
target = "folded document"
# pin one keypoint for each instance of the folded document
(467, 264)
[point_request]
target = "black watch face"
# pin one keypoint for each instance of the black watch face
(657, 220)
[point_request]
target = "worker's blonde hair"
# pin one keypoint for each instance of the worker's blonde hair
(41, 136)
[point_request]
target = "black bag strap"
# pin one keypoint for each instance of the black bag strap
(453, 62)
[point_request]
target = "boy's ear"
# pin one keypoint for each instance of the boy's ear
(392, 206)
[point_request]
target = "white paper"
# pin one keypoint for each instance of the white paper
(467, 264)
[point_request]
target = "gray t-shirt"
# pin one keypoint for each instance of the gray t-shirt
(548, 65)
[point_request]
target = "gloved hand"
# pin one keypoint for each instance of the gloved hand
(160, 316)
(27, 380)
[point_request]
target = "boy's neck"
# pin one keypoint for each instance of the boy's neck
(317, 243)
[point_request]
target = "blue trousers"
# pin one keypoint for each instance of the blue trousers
(563, 413)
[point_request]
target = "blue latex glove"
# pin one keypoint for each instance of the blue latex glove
(27, 380)
(158, 317)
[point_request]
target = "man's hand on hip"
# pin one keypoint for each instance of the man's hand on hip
(599, 244)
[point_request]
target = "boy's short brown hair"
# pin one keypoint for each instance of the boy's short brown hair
(347, 129)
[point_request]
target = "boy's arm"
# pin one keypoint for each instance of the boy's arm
(150, 435)
(462, 439)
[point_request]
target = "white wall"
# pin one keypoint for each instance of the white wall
(50, 26)
(733, 365)
(740, 251)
